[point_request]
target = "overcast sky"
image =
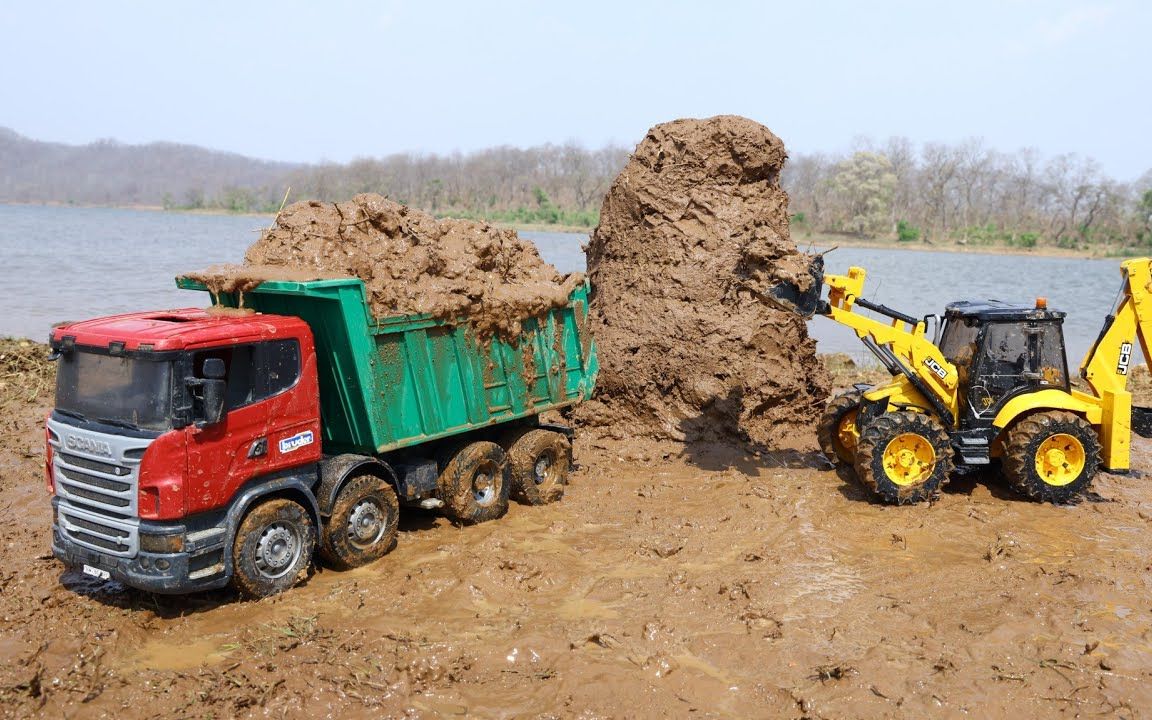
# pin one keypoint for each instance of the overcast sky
(335, 80)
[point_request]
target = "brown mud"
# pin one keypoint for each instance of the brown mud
(711, 582)
(410, 262)
(692, 231)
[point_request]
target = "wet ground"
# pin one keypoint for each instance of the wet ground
(670, 582)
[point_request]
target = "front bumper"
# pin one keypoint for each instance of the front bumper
(200, 566)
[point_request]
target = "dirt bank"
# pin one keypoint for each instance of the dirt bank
(413, 263)
(716, 583)
(692, 228)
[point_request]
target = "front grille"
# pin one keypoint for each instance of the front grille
(113, 536)
(98, 495)
(106, 468)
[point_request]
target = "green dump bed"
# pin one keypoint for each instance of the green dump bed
(393, 382)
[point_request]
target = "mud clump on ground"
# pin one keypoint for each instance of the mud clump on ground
(692, 230)
(26, 374)
(411, 262)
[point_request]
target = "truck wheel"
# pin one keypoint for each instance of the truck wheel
(273, 548)
(363, 524)
(904, 457)
(539, 461)
(1051, 456)
(837, 432)
(476, 482)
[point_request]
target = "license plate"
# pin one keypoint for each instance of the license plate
(96, 572)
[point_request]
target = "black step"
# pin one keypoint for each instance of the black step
(972, 448)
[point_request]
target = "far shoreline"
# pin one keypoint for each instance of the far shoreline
(804, 241)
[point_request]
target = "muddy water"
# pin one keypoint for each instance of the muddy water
(64, 263)
(67, 263)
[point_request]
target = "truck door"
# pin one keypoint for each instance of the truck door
(265, 428)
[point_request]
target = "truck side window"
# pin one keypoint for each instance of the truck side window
(280, 360)
(254, 372)
(239, 375)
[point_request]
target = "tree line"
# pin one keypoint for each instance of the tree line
(548, 184)
(968, 193)
(934, 193)
(965, 193)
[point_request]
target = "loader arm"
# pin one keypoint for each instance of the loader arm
(901, 345)
(1106, 365)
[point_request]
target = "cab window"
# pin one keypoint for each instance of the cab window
(238, 372)
(253, 372)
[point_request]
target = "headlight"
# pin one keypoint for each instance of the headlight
(162, 543)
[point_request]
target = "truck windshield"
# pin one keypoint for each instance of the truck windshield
(116, 390)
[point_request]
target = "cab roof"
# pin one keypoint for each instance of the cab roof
(998, 310)
(173, 330)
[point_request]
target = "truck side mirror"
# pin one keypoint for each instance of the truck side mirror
(214, 369)
(212, 389)
(213, 400)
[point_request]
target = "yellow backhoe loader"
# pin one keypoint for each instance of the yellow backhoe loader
(990, 385)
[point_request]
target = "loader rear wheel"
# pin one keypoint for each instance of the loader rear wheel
(363, 525)
(1051, 456)
(904, 457)
(539, 461)
(837, 432)
(476, 482)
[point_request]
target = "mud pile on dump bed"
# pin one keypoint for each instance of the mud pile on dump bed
(693, 228)
(411, 262)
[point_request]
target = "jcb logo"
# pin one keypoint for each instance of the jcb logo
(1125, 358)
(936, 368)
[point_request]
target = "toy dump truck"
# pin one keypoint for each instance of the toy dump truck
(195, 448)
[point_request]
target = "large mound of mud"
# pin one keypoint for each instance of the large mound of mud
(690, 232)
(411, 262)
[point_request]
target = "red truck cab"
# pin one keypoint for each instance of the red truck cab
(167, 426)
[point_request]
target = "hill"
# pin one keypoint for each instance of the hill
(107, 172)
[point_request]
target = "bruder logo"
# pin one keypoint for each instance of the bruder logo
(88, 445)
(297, 441)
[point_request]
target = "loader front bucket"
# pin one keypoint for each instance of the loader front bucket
(789, 297)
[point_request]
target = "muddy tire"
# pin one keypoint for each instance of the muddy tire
(837, 432)
(904, 457)
(273, 548)
(539, 462)
(363, 524)
(476, 483)
(1051, 456)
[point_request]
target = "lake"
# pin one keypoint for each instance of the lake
(63, 263)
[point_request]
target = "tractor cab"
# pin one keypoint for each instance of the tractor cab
(1001, 351)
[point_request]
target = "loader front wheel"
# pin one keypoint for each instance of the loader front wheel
(837, 432)
(1051, 456)
(904, 457)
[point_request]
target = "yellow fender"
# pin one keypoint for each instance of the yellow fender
(898, 391)
(1046, 400)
